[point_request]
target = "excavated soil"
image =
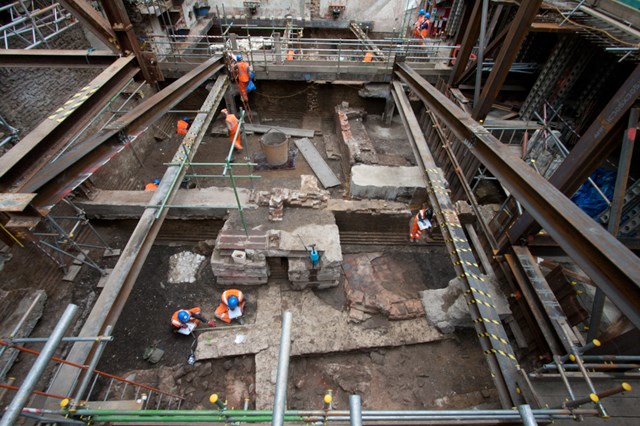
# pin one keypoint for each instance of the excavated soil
(447, 374)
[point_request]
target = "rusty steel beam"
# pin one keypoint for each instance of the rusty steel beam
(470, 37)
(33, 152)
(127, 38)
(58, 179)
(493, 338)
(518, 30)
(596, 144)
(613, 267)
(56, 58)
(93, 21)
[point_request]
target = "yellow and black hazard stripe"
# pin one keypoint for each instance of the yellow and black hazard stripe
(72, 104)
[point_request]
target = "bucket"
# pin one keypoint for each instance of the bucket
(275, 145)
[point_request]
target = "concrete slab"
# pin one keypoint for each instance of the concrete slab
(384, 182)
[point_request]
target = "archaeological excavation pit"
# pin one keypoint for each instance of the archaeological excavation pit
(411, 247)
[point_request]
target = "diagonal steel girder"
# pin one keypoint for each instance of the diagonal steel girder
(596, 144)
(469, 40)
(123, 277)
(32, 154)
(56, 58)
(493, 338)
(93, 21)
(517, 32)
(58, 179)
(613, 267)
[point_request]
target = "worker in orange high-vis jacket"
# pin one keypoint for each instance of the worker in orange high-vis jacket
(243, 75)
(233, 126)
(183, 126)
(185, 320)
(231, 306)
(421, 222)
(152, 186)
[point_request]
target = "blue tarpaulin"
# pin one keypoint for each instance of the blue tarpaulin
(588, 199)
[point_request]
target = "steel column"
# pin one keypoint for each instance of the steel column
(355, 410)
(528, 419)
(481, 45)
(508, 52)
(56, 58)
(20, 399)
(591, 149)
(280, 400)
(608, 262)
(93, 21)
(127, 38)
(469, 40)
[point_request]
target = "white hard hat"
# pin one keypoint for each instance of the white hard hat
(224, 111)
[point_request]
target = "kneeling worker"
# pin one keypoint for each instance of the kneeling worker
(232, 306)
(185, 320)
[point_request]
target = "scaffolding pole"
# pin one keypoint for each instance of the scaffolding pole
(20, 399)
(280, 400)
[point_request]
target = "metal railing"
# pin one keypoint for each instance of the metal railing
(269, 50)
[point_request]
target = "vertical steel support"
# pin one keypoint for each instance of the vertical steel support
(22, 395)
(355, 410)
(481, 46)
(528, 418)
(280, 400)
(389, 108)
(92, 366)
(510, 48)
(127, 38)
(93, 21)
(470, 37)
(626, 153)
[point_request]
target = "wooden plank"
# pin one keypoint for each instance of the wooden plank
(298, 133)
(317, 163)
(15, 202)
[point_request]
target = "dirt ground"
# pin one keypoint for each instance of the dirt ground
(447, 374)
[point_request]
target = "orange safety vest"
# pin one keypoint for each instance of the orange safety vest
(227, 294)
(232, 123)
(243, 71)
(181, 129)
(290, 55)
(177, 323)
(368, 57)
(222, 311)
(151, 187)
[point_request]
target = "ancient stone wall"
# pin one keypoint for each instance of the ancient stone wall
(29, 95)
